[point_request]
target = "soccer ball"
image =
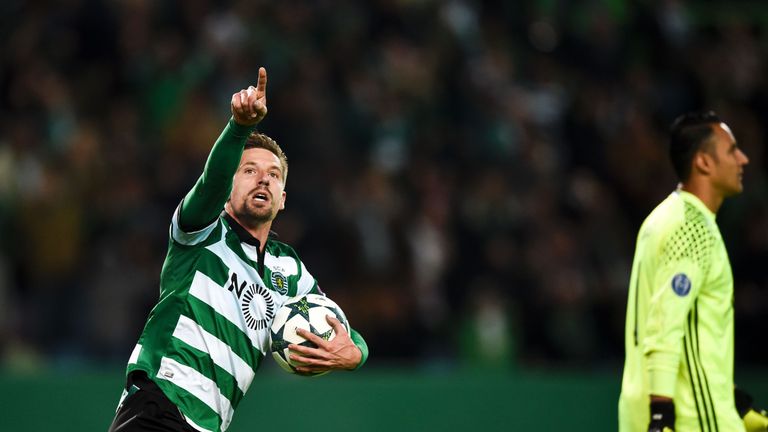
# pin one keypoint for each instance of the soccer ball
(307, 312)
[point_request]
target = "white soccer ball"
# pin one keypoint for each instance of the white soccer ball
(307, 312)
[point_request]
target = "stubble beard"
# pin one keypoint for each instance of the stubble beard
(253, 216)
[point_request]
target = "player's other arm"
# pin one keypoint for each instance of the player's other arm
(675, 285)
(665, 329)
(675, 290)
(347, 351)
(203, 204)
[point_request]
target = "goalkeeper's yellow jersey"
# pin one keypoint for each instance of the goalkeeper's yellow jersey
(679, 325)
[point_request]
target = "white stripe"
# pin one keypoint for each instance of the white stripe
(250, 251)
(135, 354)
(221, 354)
(306, 282)
(234, 262)
(287, 265)
(225, 303)
(284, 264)
(189, 238)
(199, 386)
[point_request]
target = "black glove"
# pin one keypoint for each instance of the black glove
(662, 416)
(755, 420)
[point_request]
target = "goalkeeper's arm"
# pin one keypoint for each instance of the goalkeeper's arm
(754, 419)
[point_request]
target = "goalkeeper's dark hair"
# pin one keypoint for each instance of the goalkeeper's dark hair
(689, 134)
(259, 140)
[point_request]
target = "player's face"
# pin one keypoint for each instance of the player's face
(258, 187)
(729, 162)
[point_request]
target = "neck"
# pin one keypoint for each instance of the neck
(260, 231)
(705, 192)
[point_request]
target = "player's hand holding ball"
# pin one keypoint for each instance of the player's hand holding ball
(337, 353)
(310, 336)
(249, 106)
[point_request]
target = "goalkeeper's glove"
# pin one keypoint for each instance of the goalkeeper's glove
(755, 420)
(662, 416)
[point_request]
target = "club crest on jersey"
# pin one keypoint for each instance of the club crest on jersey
(279, 282)
(681, 285)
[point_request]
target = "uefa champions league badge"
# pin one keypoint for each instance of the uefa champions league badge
(681, 285)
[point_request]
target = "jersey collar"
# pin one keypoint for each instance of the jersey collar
(696, 202)
(243, 234)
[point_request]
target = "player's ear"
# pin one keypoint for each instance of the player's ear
(703, 162)
(282, 201)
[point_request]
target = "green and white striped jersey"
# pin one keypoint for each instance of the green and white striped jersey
(679, 334)
(209, 331)
(205, 338)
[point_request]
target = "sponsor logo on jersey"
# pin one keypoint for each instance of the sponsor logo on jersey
(257, 314)
(681, 285)
(279, 282)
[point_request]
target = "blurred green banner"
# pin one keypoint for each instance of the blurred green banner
(367, 400)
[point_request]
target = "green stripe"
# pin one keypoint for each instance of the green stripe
(217, 325)
(192, 407)
(233, 244)
(180, 267)
(707, 391)
(293, 288)
(686, 338)
(212, 321)
(696, 369)
(212, 266)
(202, 362)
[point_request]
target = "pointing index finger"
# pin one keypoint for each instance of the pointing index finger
(261, 85)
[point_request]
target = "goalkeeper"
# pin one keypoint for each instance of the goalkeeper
(679, 335)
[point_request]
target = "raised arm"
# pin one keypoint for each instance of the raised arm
(203, 204)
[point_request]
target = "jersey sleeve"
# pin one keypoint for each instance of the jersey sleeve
(189, 238)
(307, 284)
(684, 256)
(360, 343)
(205, 201)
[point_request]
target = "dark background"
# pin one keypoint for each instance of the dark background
(466, 177)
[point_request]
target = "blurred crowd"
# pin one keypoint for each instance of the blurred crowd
(467, 177)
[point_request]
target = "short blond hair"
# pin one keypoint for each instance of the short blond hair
(259, 140)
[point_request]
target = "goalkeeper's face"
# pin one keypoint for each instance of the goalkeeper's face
(258, 188)
(729, 161)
